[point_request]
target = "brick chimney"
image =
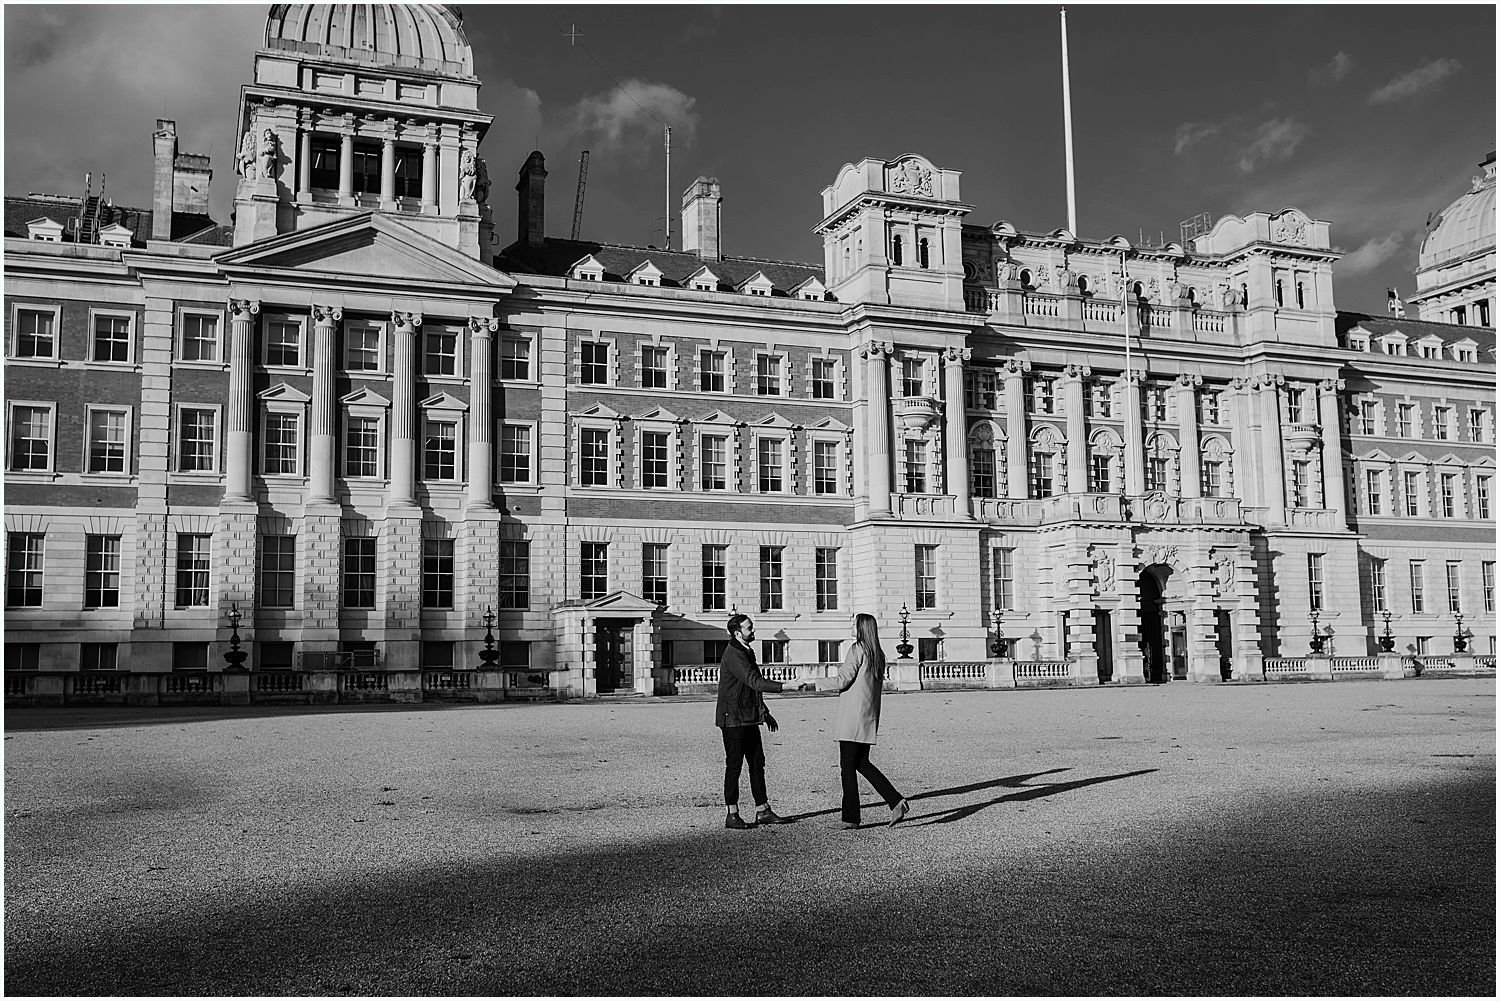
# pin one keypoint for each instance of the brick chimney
(532, 203)
(190, 177)
(164, 139)
(700, 217)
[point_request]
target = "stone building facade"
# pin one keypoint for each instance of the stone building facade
(359, 425)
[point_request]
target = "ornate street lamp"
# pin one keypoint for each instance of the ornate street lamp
(999, 646)
(489, 654)
(1317, 636)
(234, 657)
(1387, 638)
(903, 649)
(1460, 638)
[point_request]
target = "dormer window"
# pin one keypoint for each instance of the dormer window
(646, 274)
(115, 236)
(811, 290)
(587, 270)
(757, 284)
(1431, 347)
(1464, 350)
(45, 230)
(1359, 342)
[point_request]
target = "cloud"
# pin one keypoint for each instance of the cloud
(1426, 77)
(629, 118)
(1371, 254)
(1336, 71)
(1274, 140)
(1192, 133)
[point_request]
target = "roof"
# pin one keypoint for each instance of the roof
(1448, 333)
(419, 35)
(1466, 226)
(556, 257)
(187, 227)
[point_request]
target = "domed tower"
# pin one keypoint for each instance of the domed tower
(1456, 267)
(363, 108)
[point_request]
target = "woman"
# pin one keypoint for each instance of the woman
(859, 682)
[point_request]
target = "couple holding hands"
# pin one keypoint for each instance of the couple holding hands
(741, 710)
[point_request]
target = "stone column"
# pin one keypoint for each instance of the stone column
(1187, 424)
(304, 165)
(321, 440)
(239, 438)
(429, 176)
(481, 425)
(957, 429)
(1246, 482)
(878, 438)
(1078, 445)
(1272, 470)
(346, 165)
(1016, 448)
(404, 409)
(388, 172)
(1333, 452)
(1135, 453)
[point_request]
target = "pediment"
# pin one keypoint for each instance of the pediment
(1449, 459)
(811, 288)
(588, 265)
(365, 397)
(1413, 457)
(366, 245)
(282, 393)
(657, 414)
(599, 410)
(717, 417)
(755, 281)
(1484, 460)
(622, 602)
(444, 401)
(829, 424)
(1378, 455)
(774, 421)
(645, 270)
(703, 276)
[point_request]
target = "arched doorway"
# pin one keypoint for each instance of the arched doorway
(1152, 585)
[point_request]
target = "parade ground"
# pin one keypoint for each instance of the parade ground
(1184, 839)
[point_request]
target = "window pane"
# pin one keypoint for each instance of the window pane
(195, 440)
(31, 439)
(35, 338)
(111, 338)
(440, 450)
(192, 570)
(515, 454)
(278, 570)
(23, 562)
(437, 573)
(515, 574)
(101, 576)
(106, 441)
(440, 353)
(359, 573)
(283, 343)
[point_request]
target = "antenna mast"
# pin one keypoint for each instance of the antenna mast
(1068, 126)
(668, 244)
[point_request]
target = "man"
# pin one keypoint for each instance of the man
(739, 713)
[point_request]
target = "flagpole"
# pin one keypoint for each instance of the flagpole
(1125, 389)
(1068, 125)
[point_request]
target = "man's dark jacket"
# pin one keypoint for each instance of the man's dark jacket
(740, 685)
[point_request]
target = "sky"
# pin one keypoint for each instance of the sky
(1371, 117)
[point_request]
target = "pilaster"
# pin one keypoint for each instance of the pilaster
(321, 441)
(1013, 372)
(956, 429)
(1186, 387)
(481, 425)
(239, 439)
(1072, 381)
(404, 409)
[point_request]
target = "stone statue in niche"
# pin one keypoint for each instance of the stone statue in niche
(911, 178)
(1290, 228)
(1104, 573)
(481, 181)
(1223, 574)
(244, 160)
(265, 154)
(468, 175)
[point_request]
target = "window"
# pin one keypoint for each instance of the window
(927, 571)
(362, 351)
(30, 438)
(1410, 488)
(1300, 300)
(826, 579)
(1156, 403)
(1377, 584)
(278, 570)
(1487, 581)
(1100, 402)
(1041, 474)
(1315, 581)
(1451, 571)
(1301, 496)
(515, 453)
(440, 449)
(593, 368)
(440, 351)
(767, 375)
(1467, 355)
(1296, 406)
(36, 333)
(437, 655)
(929, 648)
(896, 251)
(111, 341)
(325, 162)
(197, 440)
(23, 656)
(1431, 350)
(437, 573)
(407, 173)
(515, 359)
(1418, 577)
(274, 656)
(359, 573)
(654, 361)
(713, 373)
(1213, 479)
(913, 377)
(830, 651)
(1476, 425)
(715, 464)
(1424, 645)
(654, 452)
(1208, 407)
(916, 467)
(515, 574)
(982, 471)
(654, 572)
(980, 387)
(1156, 474)
(1367, 413)
(773, 651)
(1005, 579)
(593, 570)
(107, 434)
(1482, 495)
(715, 559)
(362, 447)
(822, 378)
(192, 570)
(366, 168)
(283, 346)
(1441, 417)
(593, 446)
(23, 569)
(1392, 347)
(825, 467)
(1040, 397)
(1279, 296)
(282, 444)
(769, 452)
(770, 579)
(1447, 484)
(1460, 315)
(200, 337)
(1403, 419)
(98, 657)
(922, 257)
(713, 650)
(1374, 488)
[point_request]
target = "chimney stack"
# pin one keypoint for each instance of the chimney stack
(700, 218)
(164, 139)
(531, 187)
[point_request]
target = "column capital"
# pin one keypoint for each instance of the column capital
(876, 349)
(243, 309)
(481, 325)
(1015, 366)
(1133, 377)
(326, 316)
(1267, 380)
(1331, 387)
(1074, 372)
(400, 319)
(957, 355)
(1187, 380)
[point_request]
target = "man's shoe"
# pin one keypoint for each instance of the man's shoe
(735, 822)
(768, 816)
(849, 825)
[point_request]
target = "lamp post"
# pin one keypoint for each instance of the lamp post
(1460, 638)
(1316, 643)
(903, 649)
(234, 657)
(998, 646)
(1387, 638)
(489, 654)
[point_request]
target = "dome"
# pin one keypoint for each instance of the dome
(413, 36)
(1465, 226)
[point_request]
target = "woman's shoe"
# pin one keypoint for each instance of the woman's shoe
(898, 813)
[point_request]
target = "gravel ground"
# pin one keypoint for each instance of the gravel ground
(1188, 839)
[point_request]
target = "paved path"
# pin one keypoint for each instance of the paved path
(1302, 839)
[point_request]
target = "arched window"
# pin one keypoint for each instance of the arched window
(1244, 294)
(1026, 279)
(922, 252)
(1300, 303)
(1137, 291)
(1279, 297)
(1192, 296)
(896, 250)
(846, 259)
(1083, 284)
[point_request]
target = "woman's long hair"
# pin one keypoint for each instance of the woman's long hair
(868, 636)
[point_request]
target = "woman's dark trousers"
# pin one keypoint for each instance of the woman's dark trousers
(742, 745)
(854, 760)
